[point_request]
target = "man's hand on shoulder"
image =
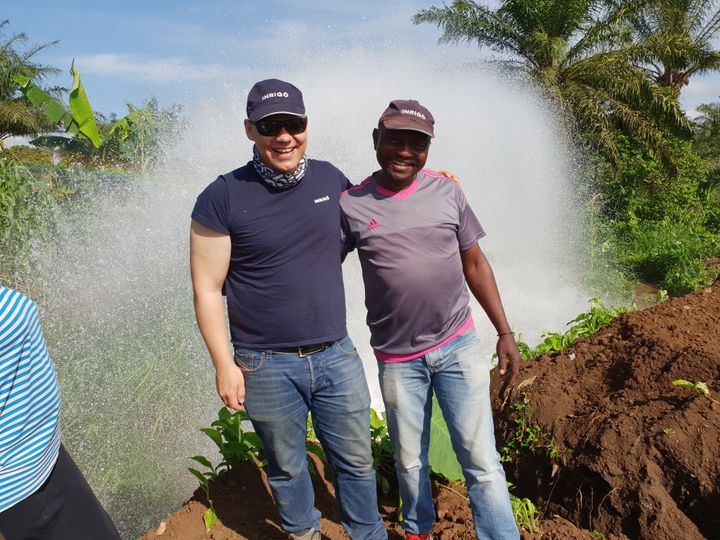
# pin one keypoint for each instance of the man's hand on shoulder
(447, 174)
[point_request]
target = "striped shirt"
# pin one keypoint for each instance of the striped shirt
(29, 401)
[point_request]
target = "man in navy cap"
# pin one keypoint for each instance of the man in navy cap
(268, 236)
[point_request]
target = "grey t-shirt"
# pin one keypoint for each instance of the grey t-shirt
(409, 245)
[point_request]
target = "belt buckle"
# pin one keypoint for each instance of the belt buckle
(304, 351)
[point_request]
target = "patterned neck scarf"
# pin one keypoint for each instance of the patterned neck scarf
(274, 178)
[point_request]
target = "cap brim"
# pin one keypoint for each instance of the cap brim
(402, 123)
(269, 111)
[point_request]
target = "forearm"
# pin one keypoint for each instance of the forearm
(210, 315)
(481, 282)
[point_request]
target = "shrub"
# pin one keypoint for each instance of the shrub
(27, 155)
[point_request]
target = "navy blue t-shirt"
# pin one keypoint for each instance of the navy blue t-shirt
(284, 286)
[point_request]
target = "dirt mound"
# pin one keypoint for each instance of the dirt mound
(245, 511)
(607, 442)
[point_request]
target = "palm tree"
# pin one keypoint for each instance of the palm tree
(17, 116)
(674, 39)
(576, 50)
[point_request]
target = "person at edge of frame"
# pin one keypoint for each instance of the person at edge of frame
(417, 240)
(42, 492)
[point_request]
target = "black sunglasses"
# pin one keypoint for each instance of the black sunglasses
(272, 128)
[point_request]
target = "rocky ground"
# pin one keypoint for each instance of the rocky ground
(611, 449)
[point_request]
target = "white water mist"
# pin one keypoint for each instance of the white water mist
(136, 378)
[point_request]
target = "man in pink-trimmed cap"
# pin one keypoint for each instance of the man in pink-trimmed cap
(417, 239)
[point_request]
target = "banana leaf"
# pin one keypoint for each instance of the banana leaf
(81, 110)
(80, 119)
(441, 454)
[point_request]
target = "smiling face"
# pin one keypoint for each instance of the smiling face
(281, 152)
(401, 153)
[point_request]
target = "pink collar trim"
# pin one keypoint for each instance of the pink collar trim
(405, 193)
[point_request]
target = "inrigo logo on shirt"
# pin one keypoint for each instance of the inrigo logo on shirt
(373, 225)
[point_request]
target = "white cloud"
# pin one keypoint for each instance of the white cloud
(163, 69)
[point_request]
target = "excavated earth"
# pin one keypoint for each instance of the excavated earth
(611, 448)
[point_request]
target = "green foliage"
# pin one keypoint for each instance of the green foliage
(25, 201)
(80, 120)
(137, 139)
(382, 452)
(17, 117)
(27, 155)
(81, 111)
(527, 433)
(584, 325)
(674, 39)
(578, 52)
(656, 227)
(209, 518)
(529, 437)
(667, 253)
(642, 190)
(441, 455)
(525, 513)
(235, 445)
(700, 388)
(706, 145)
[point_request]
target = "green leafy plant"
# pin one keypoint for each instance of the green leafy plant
(529, 436)
(584, 325)
(210, 515)
(382, 452)
(313, 445)
(80, 120)
(700, 388)
(235, 446)
(525, 513)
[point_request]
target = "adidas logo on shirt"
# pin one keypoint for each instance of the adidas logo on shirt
(373, 225)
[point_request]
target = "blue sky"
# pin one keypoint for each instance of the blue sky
(181, 50)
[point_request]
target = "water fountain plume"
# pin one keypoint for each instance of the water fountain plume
(136, 379)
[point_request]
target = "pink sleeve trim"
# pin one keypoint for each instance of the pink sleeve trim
(391, 358)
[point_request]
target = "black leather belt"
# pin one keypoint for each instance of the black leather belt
(304, 350)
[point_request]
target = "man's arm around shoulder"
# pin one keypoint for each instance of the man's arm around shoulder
(481, 281)
(209, 263)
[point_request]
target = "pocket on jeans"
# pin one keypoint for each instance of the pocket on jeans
(249, 361)
(346, 346)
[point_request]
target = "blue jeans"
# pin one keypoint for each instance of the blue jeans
(459, 372)
(280, 389)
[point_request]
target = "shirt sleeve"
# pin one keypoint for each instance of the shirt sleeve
(469, 228)
(211, 207)
(347, 242)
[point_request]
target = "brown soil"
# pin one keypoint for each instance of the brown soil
(632, 455)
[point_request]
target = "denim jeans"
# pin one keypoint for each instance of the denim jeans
(280, 389)
(459, 373)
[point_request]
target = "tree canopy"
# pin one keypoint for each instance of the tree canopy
(17, 115)
(579, 52)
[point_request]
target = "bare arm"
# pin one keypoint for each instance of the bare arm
(481, 281)
(209, 262)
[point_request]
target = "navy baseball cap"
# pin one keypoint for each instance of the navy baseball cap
(273, 96)
(408, 114)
